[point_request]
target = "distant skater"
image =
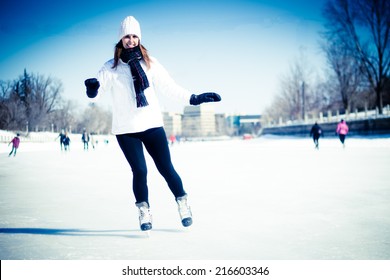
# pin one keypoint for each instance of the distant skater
(92, 141)
(316, 132)
(62, 137)
(85, 139)
(66, 142)
(15, 144)
(172, 139)
(342, 131)
(134, 80)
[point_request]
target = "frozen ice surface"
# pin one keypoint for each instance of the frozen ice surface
(268, 198)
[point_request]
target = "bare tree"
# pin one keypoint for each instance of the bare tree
(12, 111)
(95, 119)
(4, 97)
(43, 99)
(295, 96)
(363, 27)
(66, 116)
(346, 73)
(29, 101)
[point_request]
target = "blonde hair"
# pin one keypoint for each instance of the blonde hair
(118, 50)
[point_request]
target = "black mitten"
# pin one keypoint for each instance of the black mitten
(204, 97)
(92, 85)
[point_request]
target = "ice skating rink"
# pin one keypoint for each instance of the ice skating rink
(268, 198)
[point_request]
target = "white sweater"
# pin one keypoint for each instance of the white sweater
(118, 82)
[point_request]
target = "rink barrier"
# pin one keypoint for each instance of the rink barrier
(330, 117)
(378, 126)
(43, 137)
(36, 137)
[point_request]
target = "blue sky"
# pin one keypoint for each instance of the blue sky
(239, 49)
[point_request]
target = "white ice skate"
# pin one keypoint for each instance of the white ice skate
(184, 211)
(145, 218)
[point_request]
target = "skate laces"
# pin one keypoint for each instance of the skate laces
(144, 214)
(184, 209)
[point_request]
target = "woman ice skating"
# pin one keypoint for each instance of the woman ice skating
(62, 137)
(133, 79)
(66, 141)
(85, 139)
(15, 144)
(342, 131)
(316, 132)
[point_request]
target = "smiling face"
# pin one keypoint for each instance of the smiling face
(130, 41)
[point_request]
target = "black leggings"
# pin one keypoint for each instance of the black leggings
(315, 139)
(342, 138)
(156, 144)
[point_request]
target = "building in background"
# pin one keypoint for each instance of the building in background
(238, 125)
(221, 125)
(172, 123)
(201, 121)
(249, 124)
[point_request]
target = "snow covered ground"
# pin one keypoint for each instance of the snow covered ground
(268, 198)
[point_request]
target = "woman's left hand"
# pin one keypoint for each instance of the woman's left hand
(205, 97)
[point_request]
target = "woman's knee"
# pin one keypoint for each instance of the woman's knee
(140, 172)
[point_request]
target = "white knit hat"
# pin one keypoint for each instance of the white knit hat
(129, 26)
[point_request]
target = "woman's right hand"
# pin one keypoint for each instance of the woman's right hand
(92, 85)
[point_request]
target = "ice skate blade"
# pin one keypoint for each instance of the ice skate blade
(186, 222)
(146, 227)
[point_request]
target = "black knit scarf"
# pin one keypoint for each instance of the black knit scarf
(132, 57)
